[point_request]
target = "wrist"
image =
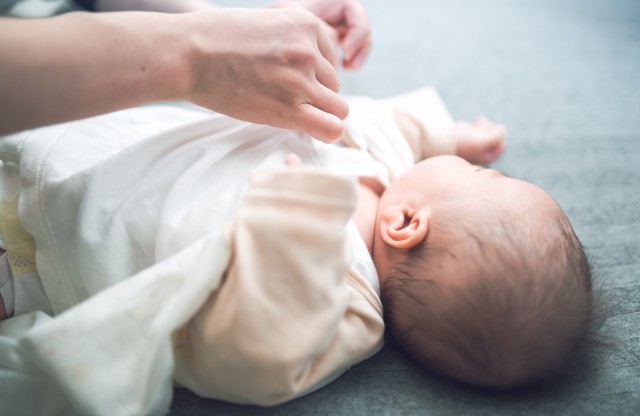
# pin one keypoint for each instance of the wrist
(201, 36)
(178, 56)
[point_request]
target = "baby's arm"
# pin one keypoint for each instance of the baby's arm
(429, 129)
(283, 322)
(424, 121)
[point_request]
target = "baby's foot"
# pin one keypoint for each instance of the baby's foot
(479, 142)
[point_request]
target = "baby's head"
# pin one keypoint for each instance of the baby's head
(482, 277)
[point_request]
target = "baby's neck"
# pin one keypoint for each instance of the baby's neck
(365, 213)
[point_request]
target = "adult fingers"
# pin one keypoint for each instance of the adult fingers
(326, 46)
(327, 75)
(322, 115)
(323, 126)
(333, 33)
(358, 34)
(330, 102)
(356, 61)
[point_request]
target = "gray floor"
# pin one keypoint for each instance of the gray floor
(564, 76)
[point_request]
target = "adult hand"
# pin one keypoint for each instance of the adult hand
(268, 66)
(346, 22)
(265, 66)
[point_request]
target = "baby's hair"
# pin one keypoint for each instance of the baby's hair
(526, 315)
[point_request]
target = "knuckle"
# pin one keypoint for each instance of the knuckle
(292, 90)
(297, 55)
(301, 16)
(333, 84)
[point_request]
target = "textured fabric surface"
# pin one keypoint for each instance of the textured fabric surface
(564, 76)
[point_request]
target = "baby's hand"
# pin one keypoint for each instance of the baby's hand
(480, 142)
(292, 160)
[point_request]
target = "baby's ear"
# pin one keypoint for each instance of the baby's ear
(403, 229)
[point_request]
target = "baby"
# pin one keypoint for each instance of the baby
(480, 275)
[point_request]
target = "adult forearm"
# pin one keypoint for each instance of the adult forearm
(80, 64)
(264, 66)
(166, 6)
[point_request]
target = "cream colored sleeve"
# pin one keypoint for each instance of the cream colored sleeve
(425, 122)
(284, 321)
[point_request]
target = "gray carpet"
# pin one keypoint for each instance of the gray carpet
(564, 76)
